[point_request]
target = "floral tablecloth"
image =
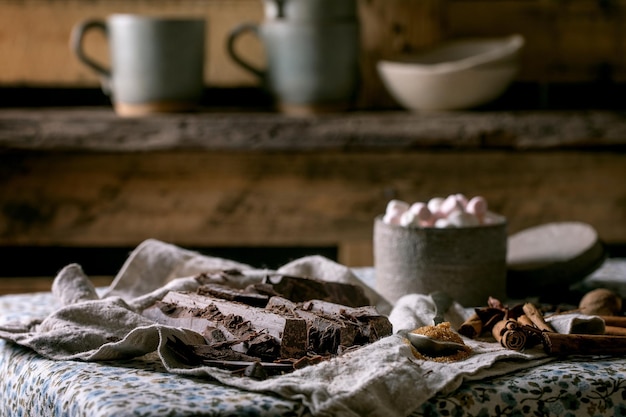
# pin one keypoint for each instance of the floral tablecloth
(33, 386)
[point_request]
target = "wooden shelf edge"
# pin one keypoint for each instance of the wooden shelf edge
(100, 130)
(22, 285)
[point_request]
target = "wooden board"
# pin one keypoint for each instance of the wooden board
(569, 41)
(100, 130)
(87, 178)
(9, 285)
(390, 28)
(34, 38)
(550, 257)
(328, 199)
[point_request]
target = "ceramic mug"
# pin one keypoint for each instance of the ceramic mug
(467, 263)
(310, 10)
(310, 66)
(157, 63)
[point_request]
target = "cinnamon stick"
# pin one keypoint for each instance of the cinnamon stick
(615, 321)
(614, 331)
(472, 327)
(509, 334)
(536, 317)
(498, 329)
(578, 344)
(525, 321)
(514, 340)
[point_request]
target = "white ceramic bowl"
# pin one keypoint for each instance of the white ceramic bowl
(457, 75)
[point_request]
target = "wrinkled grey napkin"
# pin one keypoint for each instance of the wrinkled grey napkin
(576, 323)
(383, 378)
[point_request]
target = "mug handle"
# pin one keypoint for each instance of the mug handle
(230, 47)
(76, 45)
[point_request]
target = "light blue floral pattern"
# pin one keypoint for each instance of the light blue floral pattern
(580, 386)
(34, 386)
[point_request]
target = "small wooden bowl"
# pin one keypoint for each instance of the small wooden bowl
(546, 259)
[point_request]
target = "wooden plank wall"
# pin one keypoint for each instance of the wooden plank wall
(34, 37)
(220, 198)
(567, 41)
(217, 199)
(74, 178)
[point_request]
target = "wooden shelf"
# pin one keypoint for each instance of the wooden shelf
(99, 129)
(21, 285)
(84, 177)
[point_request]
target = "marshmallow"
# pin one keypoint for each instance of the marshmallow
(493, 218)
(454, 211)
(442, 224)
(459, 218)
(422, 213)
(397, 207)
(462, 199)
(392, 218)
(451, 204)
(434, 205)
(408, 219)
(477, 206)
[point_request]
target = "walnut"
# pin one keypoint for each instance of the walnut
(601, 302)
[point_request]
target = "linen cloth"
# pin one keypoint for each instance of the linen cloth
(382, 378)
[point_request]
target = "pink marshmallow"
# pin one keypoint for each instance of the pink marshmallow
(460, 218)
(421, 211)
(450, 204)
(462, 199)
(434, 204)
(477, 206)
(392, 218)
(396, 207)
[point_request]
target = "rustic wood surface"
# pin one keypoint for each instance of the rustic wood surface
(88, 178)
(568, 41)
(19, 285)
(34, 37)
(99, 129)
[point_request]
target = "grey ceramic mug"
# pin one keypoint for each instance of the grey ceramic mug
(310, 10)
(157, 63)
(310, 66)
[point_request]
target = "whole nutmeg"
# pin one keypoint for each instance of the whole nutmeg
(601, 302)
